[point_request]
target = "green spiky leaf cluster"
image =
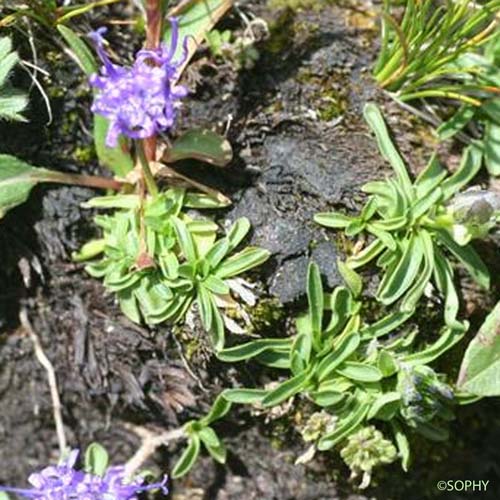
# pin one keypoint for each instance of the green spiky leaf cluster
(159, 261)
(419, 52)
(12, 101)
(411, 228)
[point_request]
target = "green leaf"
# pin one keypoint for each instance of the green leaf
(341, 352)
(457, 122)
(217, 252)
(96, 459)
(219, 409)
(327, 398)
(216, 285)
(385, 406)
(447, 339)
(300, 353)
(385, 325)
(286, 390)
(366, 255)
(403, 445)
(469, 167)
(355, 417)
(245, 396)
(12, 104)
(352, 279)
(188, 457)
(360, 372)
(117, 159)
(205, 307)
(469, 259)
(80, 50)
(375, 120)
(333, 219)
(253, 348)
(185, 240)
(8, 59)
(237, 232)
(399, 277)
(127, 201)
(491, 144)
(480, 369)
(243, 261)
(196, 19)
(213, 444)
(199, 144)
(17, 179)
(315, 297)
(430, 178)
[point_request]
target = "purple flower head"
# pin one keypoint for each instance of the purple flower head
(142, 100)
(64, 482)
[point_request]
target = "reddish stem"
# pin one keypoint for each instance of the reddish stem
(83, 180)
(154, 24)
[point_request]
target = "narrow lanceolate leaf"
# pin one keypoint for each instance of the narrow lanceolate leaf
(403, 445)
(254, 348)
(492, 148)
(17, 179)
(315, 297)
(399, 277)
(341, 352)
(469, 259)
(446, 340)
(480, 370)
(203, 145)
(219, 409)
(346, 426)
(430, 177)
(300, 353)
(245, 396)
(469, 167)
(457, 122)
(374, 118)
(197, 18)
(237, 232)
(185, 240)
(333, 219)
(213, 444)
(188, 457)
(79, 50)
(247, 259)
(352, 279)
(360, 372)
(286, 390)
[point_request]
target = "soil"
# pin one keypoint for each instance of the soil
(301, 147)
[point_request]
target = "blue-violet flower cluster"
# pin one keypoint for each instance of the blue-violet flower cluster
(64, 482)
(139, 101)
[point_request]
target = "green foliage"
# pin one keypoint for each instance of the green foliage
(12, 102)
(48, 13)
(354, 373)
(411, 228)
(488, 113)
(160, 262)
(480, 370)
(17, 179)
(96, 459)
(418, 54)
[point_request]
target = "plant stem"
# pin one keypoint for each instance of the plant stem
(146, 170)
(154, 28)
(82, 180)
